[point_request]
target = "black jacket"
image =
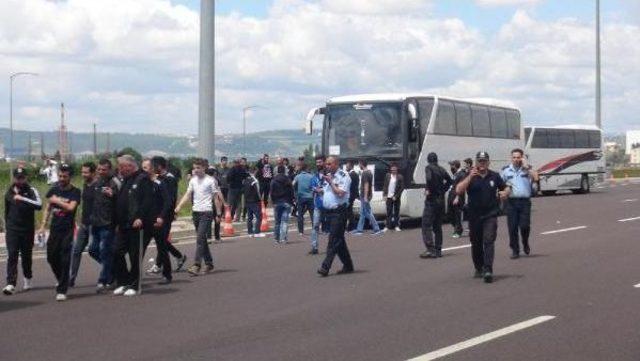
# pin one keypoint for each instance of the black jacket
(250, 190)
(235, 177)
(438, 181)
(18, 215)
(162, 204)
(104, 207)
(135, 200)
(354, 189)
(170, 182)
(399, 185)
(281, 189)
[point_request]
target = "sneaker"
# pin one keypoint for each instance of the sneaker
(398, 229)
(357, 233)
(119, 291)
(100, 287)
(514, 255)
(427, 254)
(488, 277)
(378, 232)
(259, 235)
(323, 272)
(165, 281)
(313, 251)
(130, 292)
(154, 270)
(385, 230)
(181, 262)
(455, 235)
(477, 274)
(194, 270)
(61, 297)
(527, 249)
(27, 285)
(208, 268)
(9, 290)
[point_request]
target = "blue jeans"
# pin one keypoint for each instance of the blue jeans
(282, 212)
(317, 218)
(253, 210)
(365, 213)
(304, 205)
(101, 249)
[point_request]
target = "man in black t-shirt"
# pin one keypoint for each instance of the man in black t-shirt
(63, 199)
(88, 172)
(483, 187)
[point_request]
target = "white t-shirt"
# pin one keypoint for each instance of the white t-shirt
(203, 190)
(392, 187)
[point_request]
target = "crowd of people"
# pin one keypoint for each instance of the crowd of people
(123, 209)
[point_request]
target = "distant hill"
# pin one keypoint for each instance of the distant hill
(286, 142)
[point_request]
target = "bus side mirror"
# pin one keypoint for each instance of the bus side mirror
(308, 127)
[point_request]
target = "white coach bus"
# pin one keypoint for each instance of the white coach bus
(404, 128)
(567, 157)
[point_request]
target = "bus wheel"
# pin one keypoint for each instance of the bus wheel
(584, 184)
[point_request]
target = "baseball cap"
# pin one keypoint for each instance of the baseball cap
(19, 173)
(64, 167)
(482, 155)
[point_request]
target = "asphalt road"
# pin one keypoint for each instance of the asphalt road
(265, 302)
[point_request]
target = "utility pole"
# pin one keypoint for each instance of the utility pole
(29, 150)
(41, 144)
(108, 142)
(206, 102)
(95, 140)
(598, 64)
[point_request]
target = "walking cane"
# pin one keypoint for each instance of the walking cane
(140, 257)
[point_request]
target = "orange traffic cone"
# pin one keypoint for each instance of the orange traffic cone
(264, 226)
(228, 227)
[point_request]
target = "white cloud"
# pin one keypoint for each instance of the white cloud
(132, 65)
(506, 2)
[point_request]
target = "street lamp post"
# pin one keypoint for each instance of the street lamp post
(244, 127)
(11, 78)
(598, 65)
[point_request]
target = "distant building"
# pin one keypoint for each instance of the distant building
(634, 155)
(633, 137)
(611, 147)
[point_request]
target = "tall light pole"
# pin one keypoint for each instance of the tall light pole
(206, 101)
(598, 91)
(244, 127)
(11, 78)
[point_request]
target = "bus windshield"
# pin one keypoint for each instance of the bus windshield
(356, 130)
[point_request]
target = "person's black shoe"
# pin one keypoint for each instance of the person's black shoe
(165, 281)
(514, 256)
(438, 254)
(488, 277)
(181, 263)
(527, 250)
(427, 255)
(313, 251)
(477, 274)
(323, 272)
(345, 271)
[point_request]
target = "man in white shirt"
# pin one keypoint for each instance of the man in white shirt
(202, 191)
(50, 171)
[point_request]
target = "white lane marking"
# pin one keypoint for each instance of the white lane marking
(565, 230)
(637, 286)
(456, 247)
(630, 200)
(628, 219)
(482, 339)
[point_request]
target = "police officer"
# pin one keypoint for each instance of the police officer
(483, 187)
(438, 182)
(519, 176)
(335, 201)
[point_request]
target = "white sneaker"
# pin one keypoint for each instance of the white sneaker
(259, 235)
(27, 285)
(130, 292)
(154, 269)
(9, 290)
(385, 229)
(100, 287)
(398, 229)
(119, 291)
(61, 297)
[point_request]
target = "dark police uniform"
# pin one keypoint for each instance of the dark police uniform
(438, 182)
(335, 210)
(483, 218)
(518, 207)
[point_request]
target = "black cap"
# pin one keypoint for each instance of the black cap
(19, 173)
(482, 156)
(64, 167)
(455, 163)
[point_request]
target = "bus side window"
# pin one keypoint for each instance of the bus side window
(540, 139)
(553, 139)
(595, 140)
(425, 107)
(498, 123)
(446, 119)
(582, 139)
(480, 121)
(463, 119)
(513, 124)
(567, 139)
